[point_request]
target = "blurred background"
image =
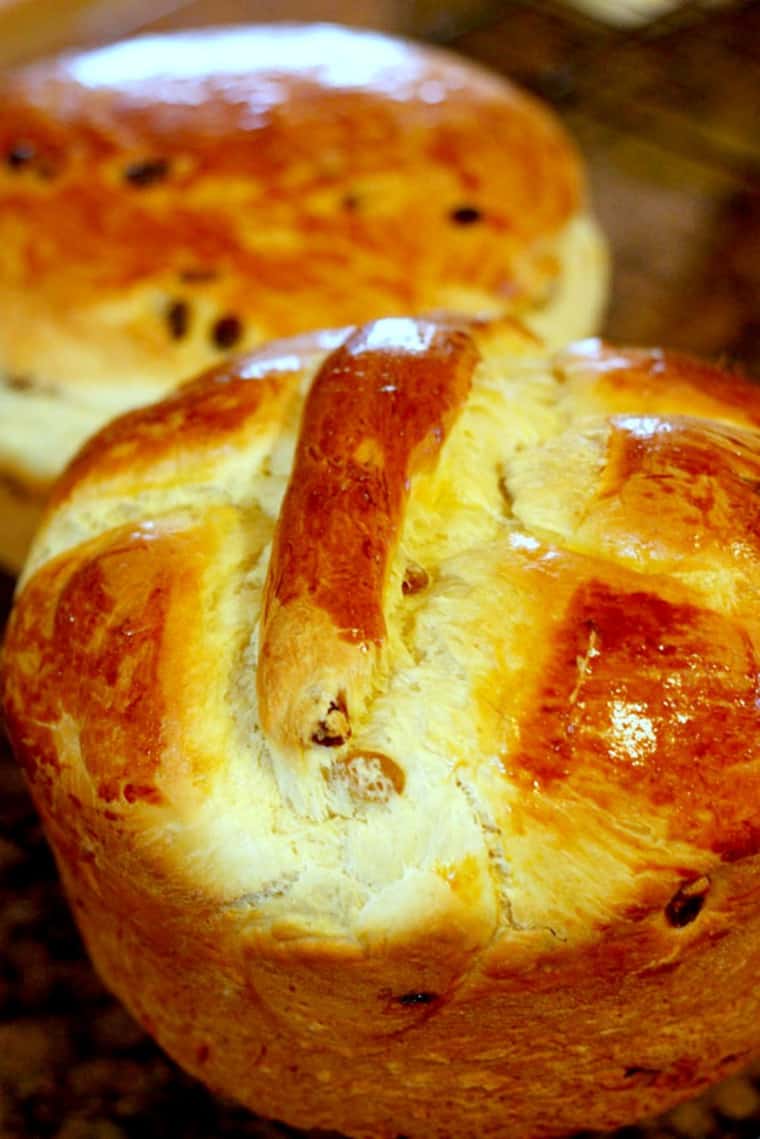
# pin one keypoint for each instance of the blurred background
(664, 101)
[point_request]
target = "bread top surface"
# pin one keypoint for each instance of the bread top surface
(171, 198)
(493, 671)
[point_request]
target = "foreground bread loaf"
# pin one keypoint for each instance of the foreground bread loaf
(170, 199)
(390, 698)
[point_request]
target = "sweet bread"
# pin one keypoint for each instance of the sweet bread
(390, 698)
(171, 199)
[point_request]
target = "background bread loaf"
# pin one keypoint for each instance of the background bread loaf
(515, 889)
(170, 199)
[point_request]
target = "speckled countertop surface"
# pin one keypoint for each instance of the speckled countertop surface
(668, 118)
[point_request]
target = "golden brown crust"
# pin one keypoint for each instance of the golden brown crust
(169, 200)
(533, 872)
(378, 411)
(256, 182)
(266, 180)
(611, 379)
(203, 413)
(616, 728)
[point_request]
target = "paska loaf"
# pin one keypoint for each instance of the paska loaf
(390, 698)
(170, 199)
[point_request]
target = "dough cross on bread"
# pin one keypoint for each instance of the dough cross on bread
(378, 413)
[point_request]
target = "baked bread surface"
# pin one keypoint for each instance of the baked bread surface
(390, 699)
(173, 198)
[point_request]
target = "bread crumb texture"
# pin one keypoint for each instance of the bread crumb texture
(483, 818)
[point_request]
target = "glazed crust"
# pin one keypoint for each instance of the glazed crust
(299, 176)
(170, 199)
(523, 896)
(376, 413)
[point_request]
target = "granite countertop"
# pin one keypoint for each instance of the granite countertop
(667, 117)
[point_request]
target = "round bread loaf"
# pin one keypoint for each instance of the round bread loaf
(172, 198)
(390, 698)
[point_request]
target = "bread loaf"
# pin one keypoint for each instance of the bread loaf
(170, 199)
(390, 698)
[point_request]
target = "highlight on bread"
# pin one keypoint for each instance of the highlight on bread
(390, 698)
(171, 199)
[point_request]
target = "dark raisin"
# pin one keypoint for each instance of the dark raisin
(417, 998)
(178, 319)
(415, 579)
(147, 172)
(466, 215)
(14, 486)
(686, 904)
(227, 331)
(635, 1070)
(350, 203)
(19, 383)
(325, 738)
(197, 275)
(356, 770)
(20, 155)
(334, 729)
(506, 493)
